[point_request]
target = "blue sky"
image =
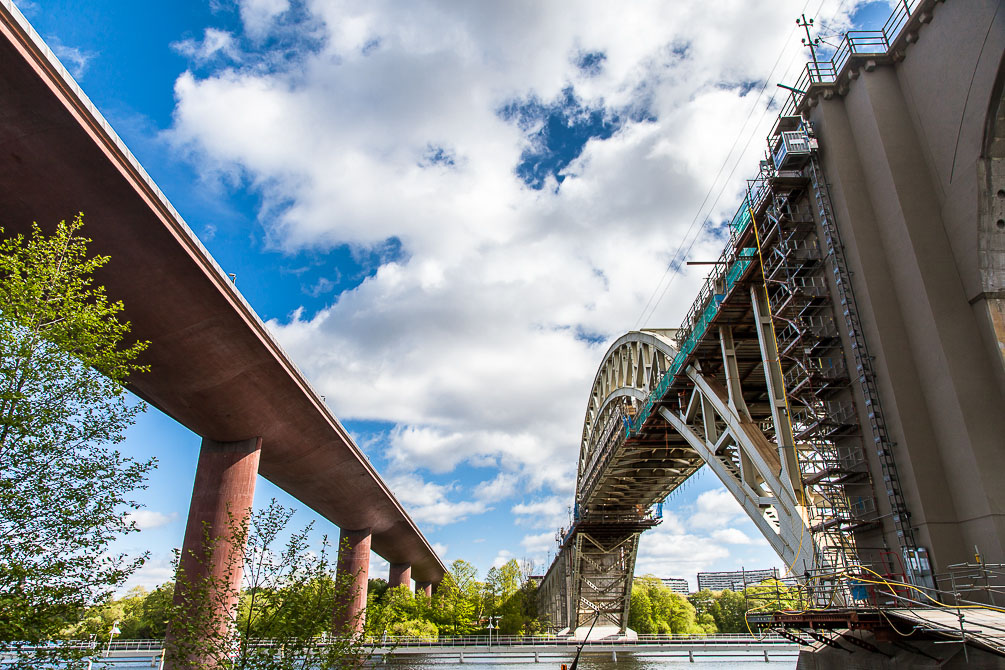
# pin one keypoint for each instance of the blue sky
(445, 212)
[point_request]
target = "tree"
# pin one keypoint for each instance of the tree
(728, 612)
(375, 588)
(140, 615)
(640, 612)
(458, 601)
(507, 597)
(290, 598)
(64, 488)
(156, 612)
(657, 609)
(126, 613)
(528, 608)
(400, 612)
(771, 595)
(703, 602)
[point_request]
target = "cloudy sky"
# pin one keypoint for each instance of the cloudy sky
(446, 211)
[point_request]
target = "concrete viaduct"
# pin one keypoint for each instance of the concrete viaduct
(214, 366)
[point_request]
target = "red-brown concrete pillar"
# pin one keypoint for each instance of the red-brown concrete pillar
(424, 587)
(399, 574)
(221, 500)
(354, 560)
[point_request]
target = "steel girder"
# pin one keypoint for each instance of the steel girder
(603, 567)
(593, 572)
(762, 476)
(591, 575)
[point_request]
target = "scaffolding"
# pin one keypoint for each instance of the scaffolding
(768, 381)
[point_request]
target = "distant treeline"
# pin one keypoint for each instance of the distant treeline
(463, 605)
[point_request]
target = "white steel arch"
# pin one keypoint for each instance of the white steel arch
(624, 379)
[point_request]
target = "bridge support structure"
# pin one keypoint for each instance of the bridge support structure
(222, 497)
(354, 562)
(592, 576)
(399, 574)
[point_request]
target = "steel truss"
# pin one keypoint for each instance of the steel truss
(769, 382)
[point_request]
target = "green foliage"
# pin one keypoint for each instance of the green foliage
(726, 609)
(400, 612)
(511, 597)
(462, 605)
(291, 596)
(140, 614)
(271, 601)
(375, 588)
(657, 609)
(63, 487)
(772, 595)
(458, 602)
(703, 601)
(728, 612)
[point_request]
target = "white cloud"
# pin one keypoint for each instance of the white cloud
(214, 43)
(551, 512)
(667, 553)
(539, 544)
(258, 15)
(502, 558)
(73, 59)
(715, 509)
(501, 487)
(471, 339)
(156, 571)
(427, 502)
(146, 519)
(731, 536)
(378, 568)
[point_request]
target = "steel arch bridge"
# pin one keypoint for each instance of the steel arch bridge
(624, 472)
(798, 375)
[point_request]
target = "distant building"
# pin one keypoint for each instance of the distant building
(677, 585)
(734, 581)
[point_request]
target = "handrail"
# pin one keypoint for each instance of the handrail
(854, 43)
(430, 641)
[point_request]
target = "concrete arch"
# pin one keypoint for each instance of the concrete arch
(990, 302)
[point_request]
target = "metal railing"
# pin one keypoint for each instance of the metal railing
(482, 640)
(854, 43)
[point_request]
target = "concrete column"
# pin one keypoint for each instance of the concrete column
(424, 587)
(224, 489)
(399, 574)
(354, 560)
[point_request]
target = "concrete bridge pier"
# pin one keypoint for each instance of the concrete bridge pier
(424, 587)
(221, 501)
(399, 574)
(354, 560)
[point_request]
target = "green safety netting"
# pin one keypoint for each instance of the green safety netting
(734, 271)
(741, 218)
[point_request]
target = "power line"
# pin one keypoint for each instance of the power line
(674, 259)
(677, 258)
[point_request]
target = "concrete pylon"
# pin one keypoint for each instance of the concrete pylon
(222, 497)
(399, 574)
(353, 560)
(424, 587)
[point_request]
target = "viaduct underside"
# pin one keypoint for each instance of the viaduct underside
(214, 366)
